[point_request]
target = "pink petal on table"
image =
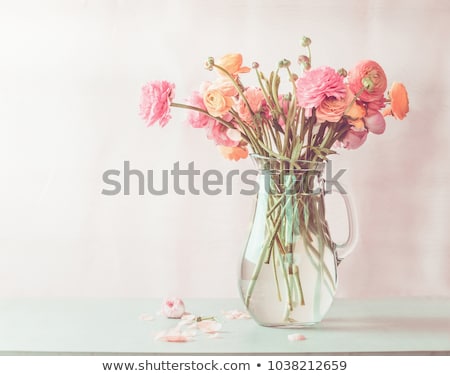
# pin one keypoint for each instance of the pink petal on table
(236, 315)
(296, 337)
(145, 317)
(172, 335)
(209, 326)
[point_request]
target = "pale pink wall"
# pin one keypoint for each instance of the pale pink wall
(70, 77)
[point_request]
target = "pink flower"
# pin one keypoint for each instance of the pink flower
(222, 135)
(375, 105)
(255, 99)
(368, 74)
(353, 138)
(195, 118)
(155, 102)
(375, 123)
(173, 308)
(318, 84)
(284, 104)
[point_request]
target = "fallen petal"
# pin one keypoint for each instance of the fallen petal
(209, 326)
(172, 335)
(296, 337)
(146, 317)
(236, 315)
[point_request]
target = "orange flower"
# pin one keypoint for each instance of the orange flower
(216, 103)
(355, 115)
(232, 63)
(399, 101)
(233, 152)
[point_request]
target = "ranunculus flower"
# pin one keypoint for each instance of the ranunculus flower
(284, 104)
(232, 63)
(375, 123)
(332, 109)
(255, 99)
(316, 85)
(353, 138)
(234, 153)
(216, 103)
(375, 105)
(195, 118)
(222, 135)
(399, 101)
(173, 308)
(355, 115)
(155, 102)
(368, 72)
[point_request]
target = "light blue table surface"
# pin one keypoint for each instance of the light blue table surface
(113, 326)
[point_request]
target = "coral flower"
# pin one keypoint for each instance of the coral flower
(255, 99)
(355, 115)
(368, 74)
(318, 84)
(232, 63)
(332, 109)
(155, 102)
(399, 101)
(234, 152)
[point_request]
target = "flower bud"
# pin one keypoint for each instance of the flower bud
(209, 64)
(304, 61)
(306, 41)
(284, 63)
(367, 83)
(342, 72)
(173, 308)
(255, 65)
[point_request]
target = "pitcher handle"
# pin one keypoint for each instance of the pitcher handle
(348, 245)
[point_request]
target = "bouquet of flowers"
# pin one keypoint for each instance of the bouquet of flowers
(290, 134)
(326, 108)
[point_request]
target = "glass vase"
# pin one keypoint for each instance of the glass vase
(288, 275)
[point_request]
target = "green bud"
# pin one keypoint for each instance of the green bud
(209, 63)
(284, 63)
(304, 61)
(306, 41)
(367, 83)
